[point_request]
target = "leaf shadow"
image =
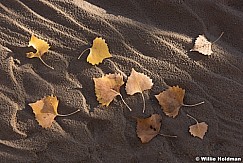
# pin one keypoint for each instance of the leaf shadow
(196, 56)
(19, 53)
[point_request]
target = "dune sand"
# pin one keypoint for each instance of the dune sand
(151, 36)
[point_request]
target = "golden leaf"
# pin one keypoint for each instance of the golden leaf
(171, 100)
(199, 129)
(45, 110)
(148, 128)
(41, 48)
(108, 87)
(98, 52)
(137, 83)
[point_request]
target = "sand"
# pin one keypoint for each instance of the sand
(153, 37)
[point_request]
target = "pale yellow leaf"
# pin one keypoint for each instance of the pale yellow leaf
(202, 45)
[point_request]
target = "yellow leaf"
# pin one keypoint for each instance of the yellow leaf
(98, 52)
(137, 83)
(148, 128)
(108, 87)
(41, 48)
(45, 110)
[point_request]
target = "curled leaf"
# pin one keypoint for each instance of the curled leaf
(171, 100)
(41, 47)
(148, 128)
(137, 83)
(98, 52)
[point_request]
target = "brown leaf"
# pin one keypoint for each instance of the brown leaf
(202, 45)
(148, 128)
(199, 129)
(171, 100)
(108, 87)
(45, 110)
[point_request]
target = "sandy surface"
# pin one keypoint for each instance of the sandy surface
(151, 36)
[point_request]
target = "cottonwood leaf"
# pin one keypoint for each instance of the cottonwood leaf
(202, 45)
(137, 83)
(41, 48)
(198, 129)
(148, 128)
(171, 100)
(45, 110)
(98, 52)
(108, 87)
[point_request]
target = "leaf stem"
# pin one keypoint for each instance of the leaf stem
(219, 37)
(125, 102)
(143, 102)
(46, 63)
(83, 52)
(65, 115)
(192, 118)
(193, 104)
(117, 68)
(172, 136)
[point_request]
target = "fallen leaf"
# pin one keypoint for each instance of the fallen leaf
(41, 48)
(137, 83)
(199, 129)
(171, 100)
(202, 45)
(98, 52)
(148, 128)
(45, 110)
(108, 87)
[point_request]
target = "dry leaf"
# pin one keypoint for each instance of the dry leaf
(98, 52)
(108, 87)
(137, 83)
(41, 48)
(171, 100)
(202, 45)
(199, 129)
(148, 128)
(45, 110)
